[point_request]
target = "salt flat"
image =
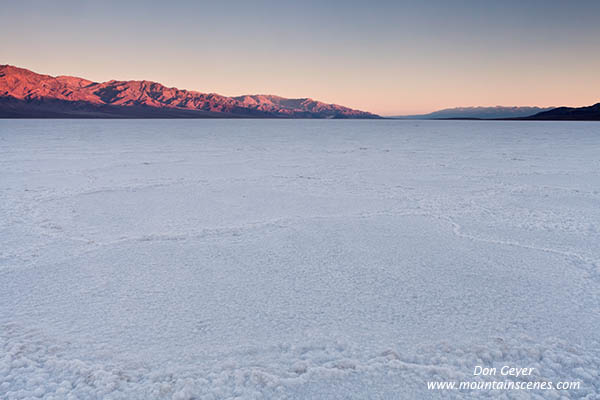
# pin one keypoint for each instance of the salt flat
(296, 259)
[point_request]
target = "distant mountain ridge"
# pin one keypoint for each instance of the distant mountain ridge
(26, 94)
(589, 113)
(480, 113)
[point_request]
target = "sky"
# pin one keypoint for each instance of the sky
(387, 57)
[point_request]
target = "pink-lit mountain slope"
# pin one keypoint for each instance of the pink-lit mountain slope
(26, 94)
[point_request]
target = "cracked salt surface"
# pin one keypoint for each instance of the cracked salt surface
(296, 259)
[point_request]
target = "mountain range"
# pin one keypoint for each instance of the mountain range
(26, 94)
(479, 113)
(589, 113)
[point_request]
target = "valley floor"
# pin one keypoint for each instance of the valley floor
(212, 259)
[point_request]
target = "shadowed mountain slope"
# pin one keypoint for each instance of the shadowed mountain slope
(589, 113)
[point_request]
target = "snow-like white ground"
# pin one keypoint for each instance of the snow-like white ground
(296, 259)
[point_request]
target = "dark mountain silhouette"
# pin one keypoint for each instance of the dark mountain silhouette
(26, 94)
(590, 113)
